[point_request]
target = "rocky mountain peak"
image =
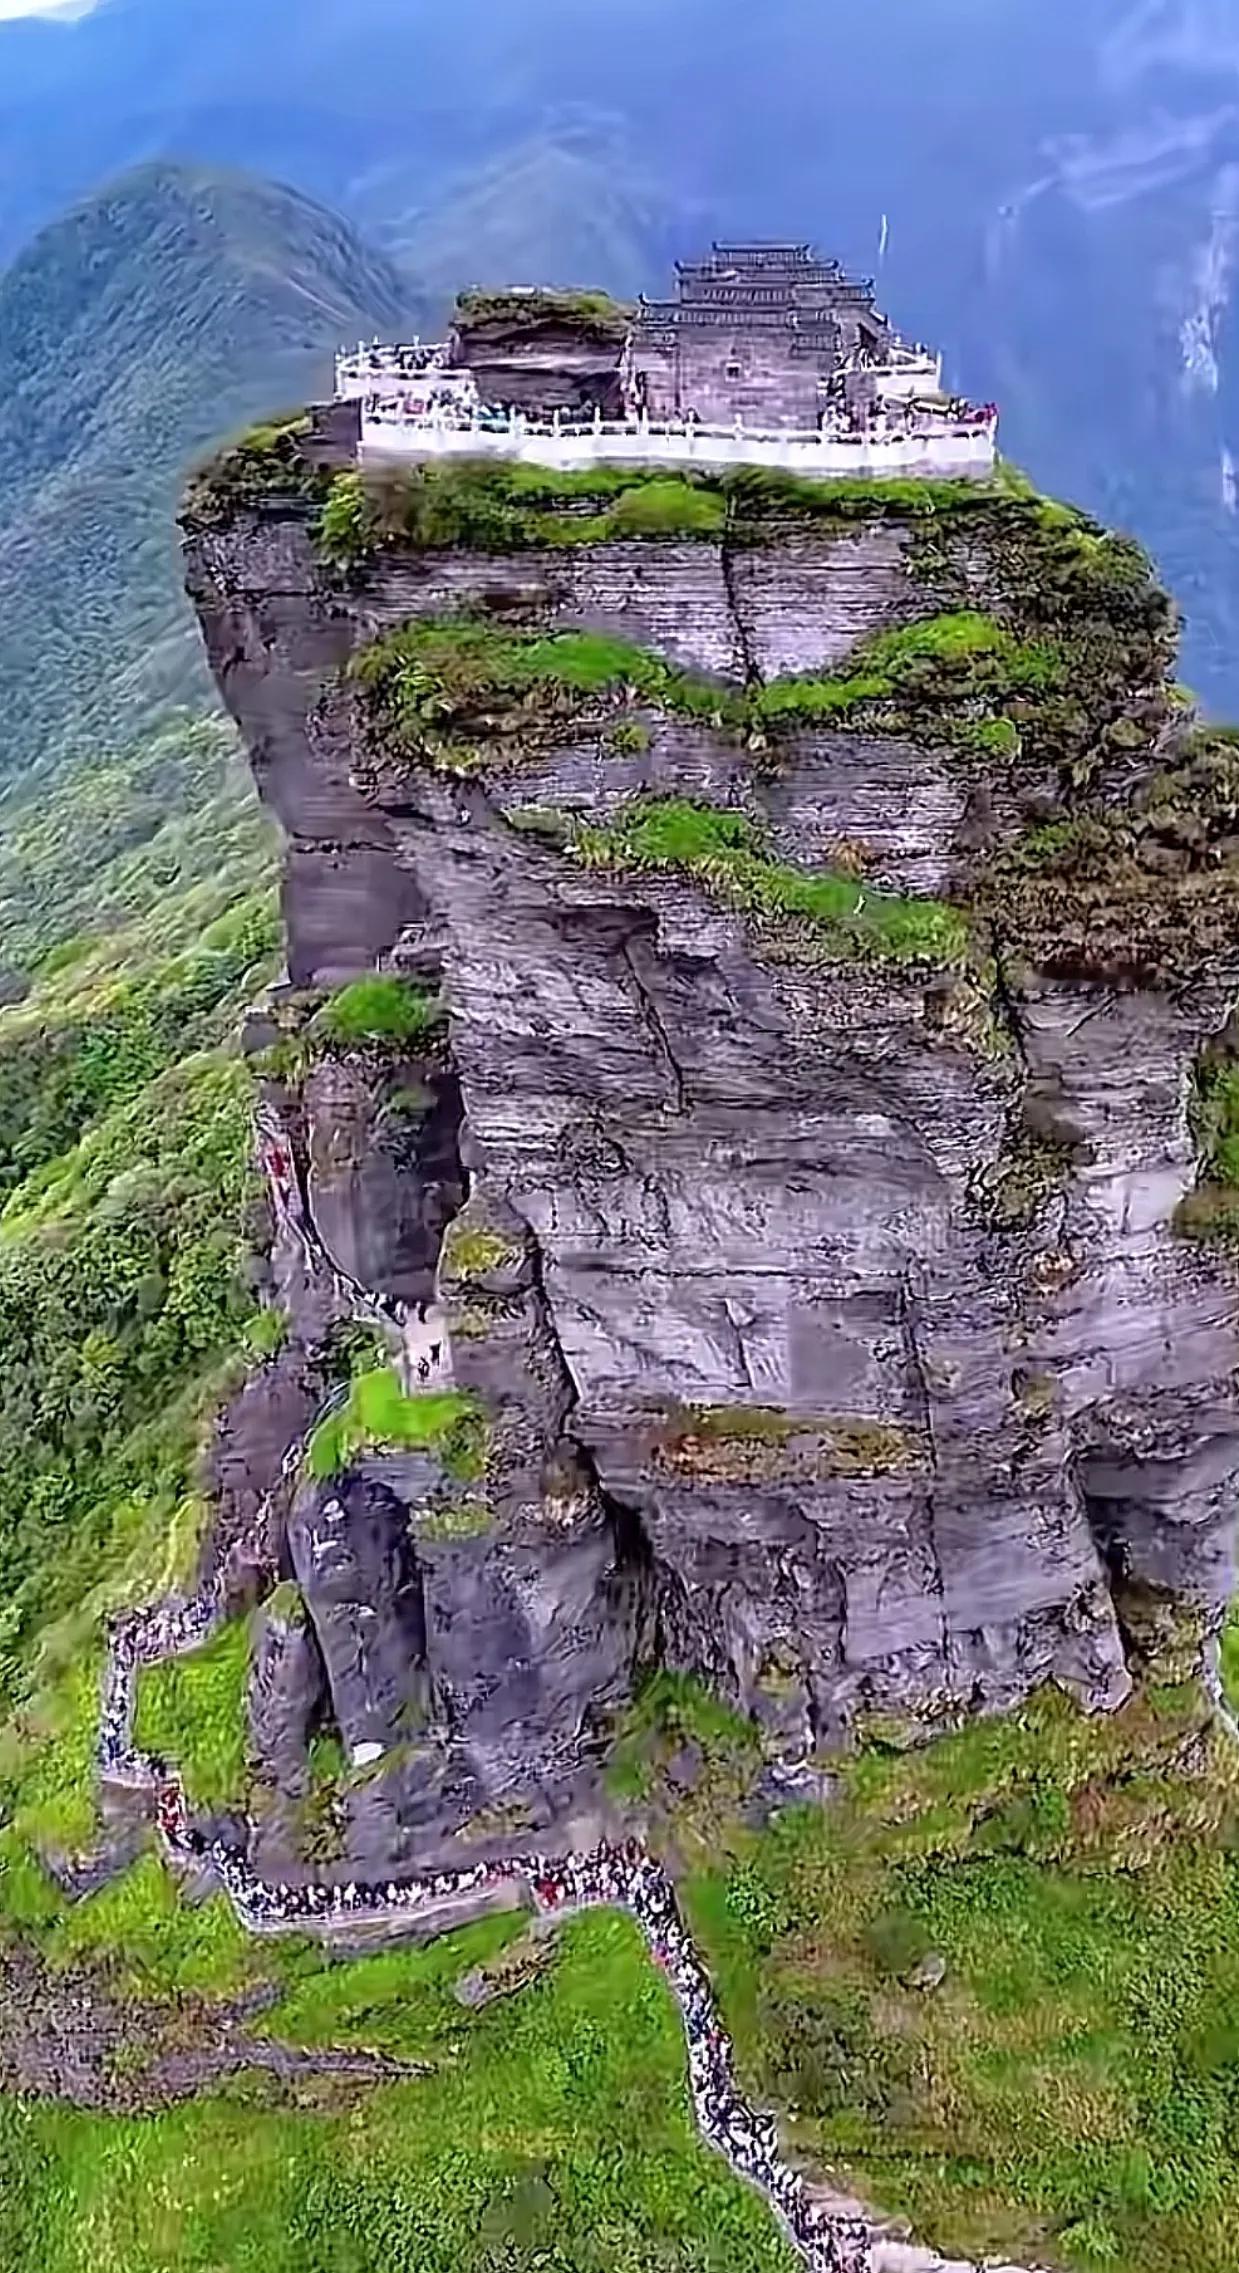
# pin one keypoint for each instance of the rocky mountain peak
(809, 1151)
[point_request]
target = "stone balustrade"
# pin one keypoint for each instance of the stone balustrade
(359, 374)
(946, 448)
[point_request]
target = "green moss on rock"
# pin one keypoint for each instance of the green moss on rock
(594, 317)
(759, 1444)
(724, 851)
(471, 1251)
(1141, 891)
(1030, 1169)
(468, 1518)
(1210, 1213)
(489, 505)
(286, 1604)
(446, 1422)
(265, 462)
(463, 695)
(380, 1009)
(1036, 1394)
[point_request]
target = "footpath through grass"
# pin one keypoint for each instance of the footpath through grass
(555, 2132)
(1068, 2092)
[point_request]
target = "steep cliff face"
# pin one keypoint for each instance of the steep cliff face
(828, 921)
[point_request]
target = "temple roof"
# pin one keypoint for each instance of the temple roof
(773, 286)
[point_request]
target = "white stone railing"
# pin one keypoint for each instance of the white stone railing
(374, 367)
(963, 448)
(908, 373)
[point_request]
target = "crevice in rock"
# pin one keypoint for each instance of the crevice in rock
(653, 1020)
(916, 1363)
(727, 562)
(1008, 1009)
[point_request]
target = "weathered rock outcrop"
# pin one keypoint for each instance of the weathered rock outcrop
(359, 1573)
(827, 1305)
(383, 1174)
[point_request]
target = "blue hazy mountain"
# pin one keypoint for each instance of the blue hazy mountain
(174, 306)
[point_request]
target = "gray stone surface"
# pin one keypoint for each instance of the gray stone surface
(737, 1177)
(289, 1696)
(363, 1586)
(383, 1167)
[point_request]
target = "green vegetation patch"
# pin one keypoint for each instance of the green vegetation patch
(1230, 1659)
(445, 1422)
(267, 460)
(471, 1251)
(554, 2130)
(462, 695)
(192, 1710)
(122, 1297)
(594, 317)
(1141, 891)
(737, 1444)
(674, 1714)
(488, 505)
(379, 1009)
(1211, 1212)
(1071, 1883)
(456, 1520)
(141, 1927)
(286, 1604)
(832, 914)
(955, 659)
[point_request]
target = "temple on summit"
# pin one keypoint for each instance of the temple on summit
(763, 332)
(766, 355)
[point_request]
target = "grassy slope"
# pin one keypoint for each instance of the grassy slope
(1067, 2093)
(547, 2137)
(136, 896)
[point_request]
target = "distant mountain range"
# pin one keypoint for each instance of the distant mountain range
(169, 310)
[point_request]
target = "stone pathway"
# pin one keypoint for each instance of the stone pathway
(829, 2235)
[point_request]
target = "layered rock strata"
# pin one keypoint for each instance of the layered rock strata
(826, 1304)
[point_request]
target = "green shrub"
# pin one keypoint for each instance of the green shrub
(445, 1422)
(266, 1333)
(666, 508)
(381, 1008)
(345, 529)
(594, 316)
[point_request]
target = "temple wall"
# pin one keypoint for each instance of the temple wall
(721, 375)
